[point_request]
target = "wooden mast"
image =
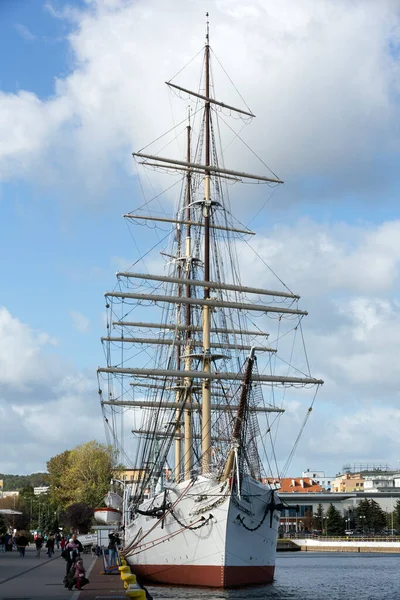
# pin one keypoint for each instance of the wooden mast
(188, 437)
(206, 391)
(237, 429)
(178, 427)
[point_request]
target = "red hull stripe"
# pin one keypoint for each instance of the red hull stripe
(208, 576)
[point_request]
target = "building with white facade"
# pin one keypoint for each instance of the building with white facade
(382, 482)
(299, 508)
(320, 478)
(43, 489)
(10, 494)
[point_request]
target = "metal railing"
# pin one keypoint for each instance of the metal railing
(345, 538)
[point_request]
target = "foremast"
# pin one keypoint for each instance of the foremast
(233, 456)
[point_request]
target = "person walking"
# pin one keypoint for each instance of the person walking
(38, 543)
(8, 542)
(50, 545)
(22, 542)
(73, 550)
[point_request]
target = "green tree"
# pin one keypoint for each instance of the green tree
(18, 482)
(377, 516)
(27, 492)
(79, 516)
(82, 474)
(318, 518)
(3, 525)
(362, 515)
(90, 472)
(370, 516)
(396, 517)
(335, 521)
(58, 467)
(21, 521)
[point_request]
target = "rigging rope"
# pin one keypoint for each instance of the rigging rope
(290, 457)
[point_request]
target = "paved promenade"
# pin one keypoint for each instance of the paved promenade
(31, 578)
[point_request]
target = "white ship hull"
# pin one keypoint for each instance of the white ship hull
(220, 552)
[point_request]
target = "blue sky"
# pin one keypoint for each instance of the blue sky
(35, 45)
(81, 87)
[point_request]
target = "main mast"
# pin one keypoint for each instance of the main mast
(206, 386)
(188, 450)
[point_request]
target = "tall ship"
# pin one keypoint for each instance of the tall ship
(193, 355)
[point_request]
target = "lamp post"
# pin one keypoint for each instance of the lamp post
(362, 519)
(326, 526)
(391, 504)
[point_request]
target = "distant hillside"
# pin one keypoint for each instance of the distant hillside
(17, 482)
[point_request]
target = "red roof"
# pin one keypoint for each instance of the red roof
(295, 484)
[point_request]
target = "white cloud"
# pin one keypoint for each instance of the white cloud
(369, 436)
(348, 277)
(313, 257)
(45, 403)
(21, 353)
(80, 322)
(321, 79)
(324, 84)
(25, 32)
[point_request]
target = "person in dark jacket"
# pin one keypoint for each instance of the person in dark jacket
(112, 549)
(74, 549)
(50, 545)
(8, 542)
(39, 543)
(22, 542)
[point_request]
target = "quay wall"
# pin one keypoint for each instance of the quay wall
(311, 545)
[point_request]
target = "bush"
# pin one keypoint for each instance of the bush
(79, 516)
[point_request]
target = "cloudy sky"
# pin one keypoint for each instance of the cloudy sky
(82, 86)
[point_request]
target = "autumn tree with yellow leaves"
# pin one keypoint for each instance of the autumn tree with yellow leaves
(82, 474)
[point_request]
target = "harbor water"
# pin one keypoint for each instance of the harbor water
(312, 576)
